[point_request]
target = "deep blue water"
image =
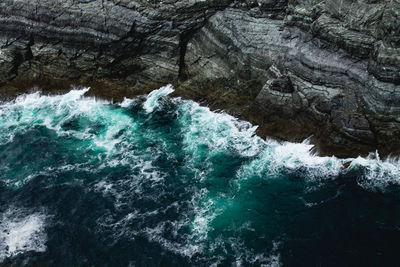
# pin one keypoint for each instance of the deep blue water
(156, 181)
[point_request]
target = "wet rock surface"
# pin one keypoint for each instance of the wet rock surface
(330, 69)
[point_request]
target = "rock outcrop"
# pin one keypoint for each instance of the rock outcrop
(329, 68)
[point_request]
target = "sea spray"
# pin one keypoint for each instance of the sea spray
(153, 98)
(188, 185)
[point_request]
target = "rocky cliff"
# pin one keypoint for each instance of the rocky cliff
(297, 68)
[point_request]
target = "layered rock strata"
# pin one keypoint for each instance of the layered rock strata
(330, 68)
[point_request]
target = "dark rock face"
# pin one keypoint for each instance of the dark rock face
(139, 41)
(328, 68)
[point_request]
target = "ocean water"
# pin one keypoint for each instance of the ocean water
(159, 181)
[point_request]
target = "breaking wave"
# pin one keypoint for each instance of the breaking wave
(169, 176)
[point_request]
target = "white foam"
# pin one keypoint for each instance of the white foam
(153, 98)
(56, 110)
(205, 134)
(208, 133)
(205, 214)
(20, 233)
(50, 111)
(127, 102)
(293, 156)
(218, 132)
(376, 173)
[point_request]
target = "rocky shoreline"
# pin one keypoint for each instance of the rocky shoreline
(330, 69)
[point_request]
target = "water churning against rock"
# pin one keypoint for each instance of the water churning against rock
(163, 181)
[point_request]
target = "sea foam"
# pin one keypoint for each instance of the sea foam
(21, 232)
(203, 127)
(153, 98)
(215, 157)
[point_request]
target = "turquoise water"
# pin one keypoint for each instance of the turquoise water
(163, 181)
